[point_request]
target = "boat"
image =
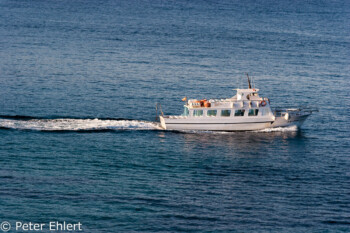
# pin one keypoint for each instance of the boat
(246, 111)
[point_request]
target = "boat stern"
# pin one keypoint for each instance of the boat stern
(162, 122)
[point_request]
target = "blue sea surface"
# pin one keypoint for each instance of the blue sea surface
(79, 81)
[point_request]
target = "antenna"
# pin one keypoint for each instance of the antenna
(249, 85)
(240, 83)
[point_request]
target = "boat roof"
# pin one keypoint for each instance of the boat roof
(251, 90)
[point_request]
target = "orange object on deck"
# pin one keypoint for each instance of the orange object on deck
(202, 102)
(207, 104)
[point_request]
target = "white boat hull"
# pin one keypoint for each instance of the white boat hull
(229, 124)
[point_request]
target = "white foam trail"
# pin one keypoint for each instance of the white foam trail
(279, 129)
(77, 124)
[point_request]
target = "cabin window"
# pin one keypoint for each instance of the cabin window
(212, 112)
(186, 112)
(253, 112)
(197, 113)
(225, 113)
(239, 112)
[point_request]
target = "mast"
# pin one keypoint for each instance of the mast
(249, 85)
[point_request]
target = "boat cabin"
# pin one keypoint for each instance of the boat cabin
(246, 103)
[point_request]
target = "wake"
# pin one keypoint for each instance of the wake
(279, 129)
(74, 124)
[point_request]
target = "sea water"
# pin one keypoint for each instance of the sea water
(79, 81)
